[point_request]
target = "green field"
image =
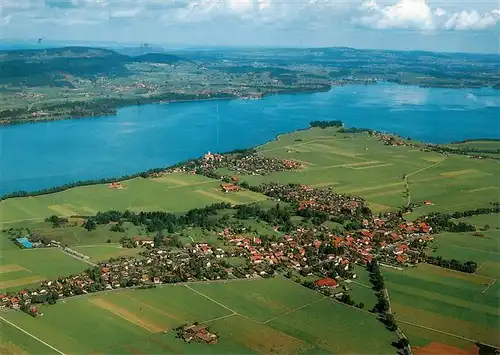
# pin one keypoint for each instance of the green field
(447, 301)
(174, 193)
(482, 248)
(361, 165)
(13, 341)
(478, 144)
(491, 220)
(23, 267)
(256, 316)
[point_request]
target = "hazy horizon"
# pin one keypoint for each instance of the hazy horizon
(17, 44)
(464, 26)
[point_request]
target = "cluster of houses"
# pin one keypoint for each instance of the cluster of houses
(21, 300)
(325, 200)
(306, 248)
(155, 266)
(249, 164)
(392, 140)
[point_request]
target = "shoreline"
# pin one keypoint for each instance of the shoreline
(147, 173)
(293, 91)
(124, 104)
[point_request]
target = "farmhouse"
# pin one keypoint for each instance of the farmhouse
(229, 188)
(326, 282)
(197, 333)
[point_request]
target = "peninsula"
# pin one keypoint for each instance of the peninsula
(293, 245)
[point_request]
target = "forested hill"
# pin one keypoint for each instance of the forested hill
(44, 67)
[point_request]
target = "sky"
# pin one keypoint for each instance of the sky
(435, 25)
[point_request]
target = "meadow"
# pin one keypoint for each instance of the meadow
(360, 165)
(491, 221)
(251, 316)
(23, 267)
(428, 298)
(481, 247)
(173, 193)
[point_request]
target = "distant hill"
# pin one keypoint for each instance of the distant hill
(50, 67)
(157, 58)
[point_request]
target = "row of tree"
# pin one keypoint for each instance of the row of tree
(463, 150)
(442, 222)
(467, 266)
(160, 221)
(478, 211)
(277, 215)
(325, 124)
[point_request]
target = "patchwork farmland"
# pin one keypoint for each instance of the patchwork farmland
(175, 193)
(447, 302)
(431, 304)
(259, 316)
(360, 165)
(21, 268)
(481, 247)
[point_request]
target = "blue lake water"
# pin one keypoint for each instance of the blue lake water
(40, 155)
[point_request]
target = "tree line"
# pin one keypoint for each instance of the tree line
(442, 222)
(467, 266)
(325, 124)
(160, 221)
(382, 306)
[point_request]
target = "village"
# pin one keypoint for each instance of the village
(245, 162)
(308, 250)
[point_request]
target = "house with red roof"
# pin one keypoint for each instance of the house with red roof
(229, 188)
(326, 282)
(401, 249)
(256, 259)
(366, 233)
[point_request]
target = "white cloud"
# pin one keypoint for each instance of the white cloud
(406, 14)
(242, 21)
(418, 14)
(439, 12)
(472, 20)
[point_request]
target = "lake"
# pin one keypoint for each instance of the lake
(45, 154)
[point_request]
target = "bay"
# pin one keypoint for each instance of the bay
(46, 154)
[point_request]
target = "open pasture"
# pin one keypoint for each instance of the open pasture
(295, 320)
(360, 165)
(72, 235)
(447, 301)
(482, 248)
(492, 144)
(14, 342)
(173, 193)
(258, 299)
(25, 267)
(480, 221)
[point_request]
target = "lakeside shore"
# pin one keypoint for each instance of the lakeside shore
(117, 104)
(152, 171)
